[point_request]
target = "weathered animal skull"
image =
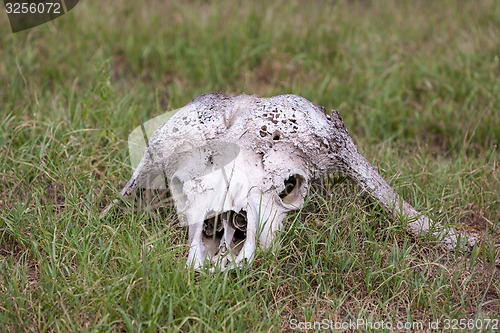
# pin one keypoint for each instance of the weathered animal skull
(237, 165)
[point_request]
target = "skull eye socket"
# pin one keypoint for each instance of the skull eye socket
(292, 189)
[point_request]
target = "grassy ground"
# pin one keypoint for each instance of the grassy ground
(417, 84)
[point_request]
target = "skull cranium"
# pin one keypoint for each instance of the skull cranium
(237, 165)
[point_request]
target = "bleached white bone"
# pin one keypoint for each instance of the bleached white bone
(225, 155)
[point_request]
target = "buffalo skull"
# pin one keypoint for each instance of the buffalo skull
(235, 167)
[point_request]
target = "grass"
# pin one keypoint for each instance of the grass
(417, 84)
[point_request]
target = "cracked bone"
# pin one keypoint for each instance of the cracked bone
(236, 166)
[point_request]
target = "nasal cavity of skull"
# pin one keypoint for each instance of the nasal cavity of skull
(240, 223)
(291, 192)
(213, 227)
(214, 231)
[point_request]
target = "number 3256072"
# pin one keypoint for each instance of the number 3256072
(33, 8)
